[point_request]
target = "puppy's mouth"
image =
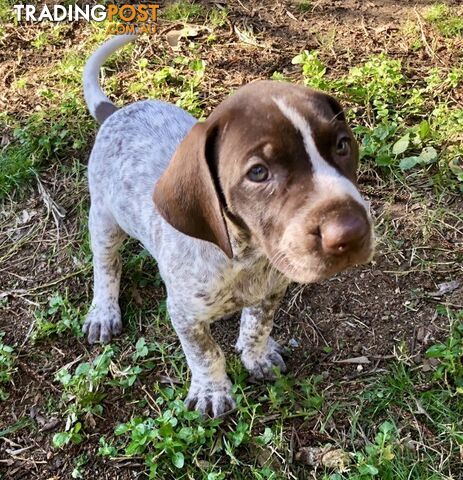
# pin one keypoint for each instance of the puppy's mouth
(315, 266)
(324, 241)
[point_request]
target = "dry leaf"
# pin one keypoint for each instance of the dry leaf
(337, 459)
(333, 458)
(174, 36)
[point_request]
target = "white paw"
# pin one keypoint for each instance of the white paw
(211, 399)
(261, 364)
(103, 322)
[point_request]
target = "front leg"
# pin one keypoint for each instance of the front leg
(104, 317)
(210, 389)
(260, 354)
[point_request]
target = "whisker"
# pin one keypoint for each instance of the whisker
(336, 116)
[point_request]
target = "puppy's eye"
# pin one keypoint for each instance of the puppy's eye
(343, 146)
(258, 173)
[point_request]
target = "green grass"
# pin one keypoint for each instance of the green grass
(392, 420)
(304, 5)
(43, 138)
(185, 11)
(450, 353)
(59, 128)
(443, 18)
(7, 367)
(402, 423)
(82, 395)
(59, 318)
(6, 10)
(179, 82)
(401, 125)
(419, 409)
(49, 135)
(217, 17)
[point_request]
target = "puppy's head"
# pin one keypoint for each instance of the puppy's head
(279, 161)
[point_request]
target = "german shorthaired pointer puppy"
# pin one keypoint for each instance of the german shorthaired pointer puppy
(233, 209)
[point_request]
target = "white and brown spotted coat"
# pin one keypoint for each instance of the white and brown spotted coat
(222, 241)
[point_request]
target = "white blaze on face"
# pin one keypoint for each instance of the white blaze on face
(327, 181)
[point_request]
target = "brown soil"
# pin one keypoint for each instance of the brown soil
(372, 311)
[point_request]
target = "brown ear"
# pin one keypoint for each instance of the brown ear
(188, 193)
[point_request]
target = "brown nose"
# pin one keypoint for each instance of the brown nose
(343, 234)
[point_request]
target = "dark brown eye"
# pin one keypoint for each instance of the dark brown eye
(258, 173)
(343, 147)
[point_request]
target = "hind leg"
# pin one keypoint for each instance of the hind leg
(104, 317)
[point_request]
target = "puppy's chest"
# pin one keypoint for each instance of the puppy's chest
(241, 285)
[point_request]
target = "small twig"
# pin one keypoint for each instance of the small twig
(154, 406)
(7, 440)
(56, 210)
(245, 8)
(13, 453)
(423, 37)
(364, 28)
(20, 292)
(28, 460)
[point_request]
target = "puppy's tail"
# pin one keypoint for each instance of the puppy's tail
(98, 103)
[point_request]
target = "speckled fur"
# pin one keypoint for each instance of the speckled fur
(132, 149)
(237, 240)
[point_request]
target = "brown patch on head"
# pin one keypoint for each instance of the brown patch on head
(258, 133)
(274, 143)
(251, 163)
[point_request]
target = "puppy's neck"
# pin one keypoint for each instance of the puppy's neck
(244, 246)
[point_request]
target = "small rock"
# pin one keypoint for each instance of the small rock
(445, 288)
(293, 343)
(429, 364)
(421, 334)
(50, 425)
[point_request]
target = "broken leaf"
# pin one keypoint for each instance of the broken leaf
(401, 145)
(428, 155)
(408, 162)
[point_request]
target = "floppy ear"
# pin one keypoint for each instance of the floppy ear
(188, 194)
